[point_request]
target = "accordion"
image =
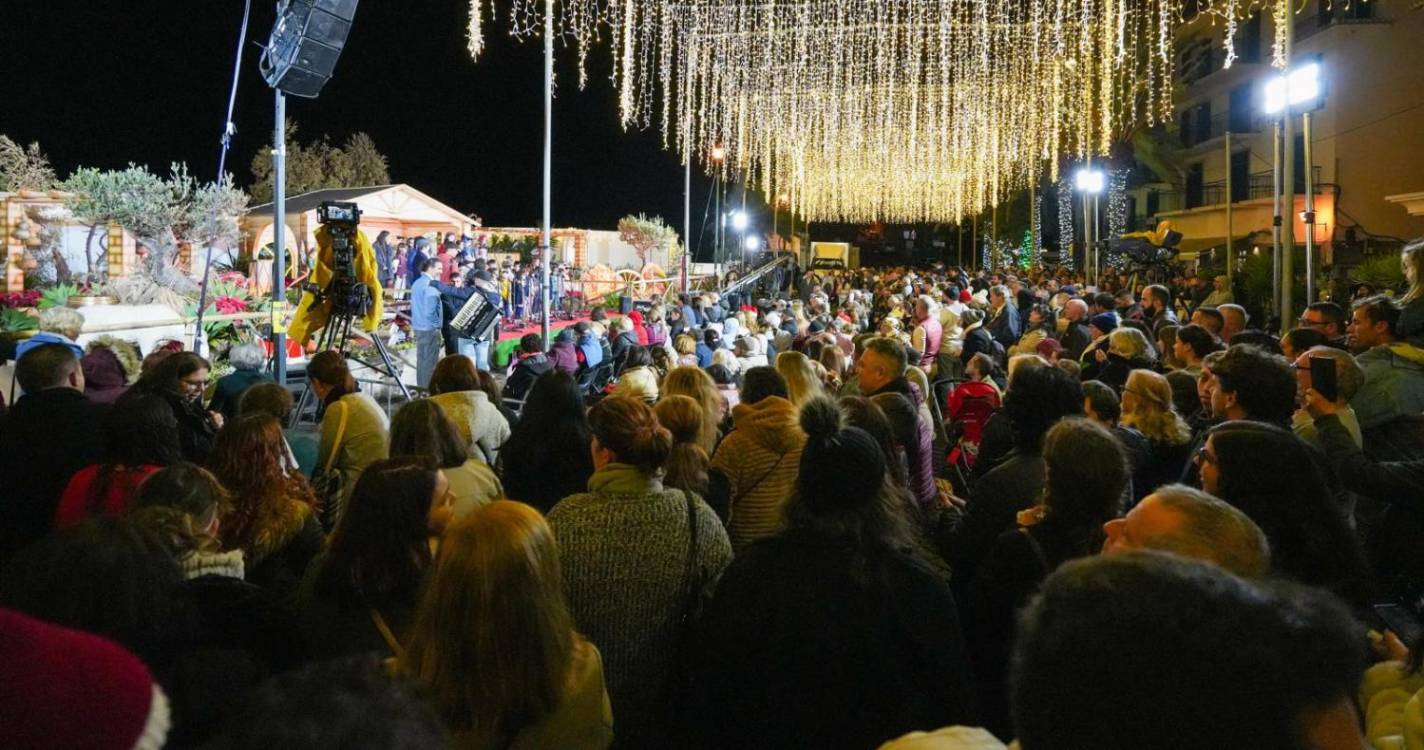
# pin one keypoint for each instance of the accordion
(476, 318)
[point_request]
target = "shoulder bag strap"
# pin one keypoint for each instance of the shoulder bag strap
(1037, 551)
(733, 502)
(340, 434)
(691, 584)
(386, 634)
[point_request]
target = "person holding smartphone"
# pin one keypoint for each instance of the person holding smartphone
(1337, 377)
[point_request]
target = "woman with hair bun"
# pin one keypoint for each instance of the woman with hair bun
(625, 547)
(830, 634)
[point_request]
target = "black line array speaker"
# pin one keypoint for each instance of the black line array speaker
(305, 45)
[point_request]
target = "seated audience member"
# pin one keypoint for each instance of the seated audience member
(749, 353)
(1329, 319)
(1298, 340)
(110, 366)
(1233, 321)
(686, 467)
(862, 412)
(621, 337)
(911, 446)
(547, 455)
(1086, 475)
(1251, 383)
(142, 437)
(276, 401)
(754, 468)
(354, 430)
(686, 347)
(836, 581)
(697, 384)
(1147, 408)
(1210, 318)
(1394, 368)
(1276, 478)
(638, 378)
(272, 518)
(1128, 350)
(1102, 405)
(563, 354)
(50, 433)
(802, 384)
(455, 386)
(1349, 377)
(348, 703)
(1166, 346)
(530, 364)
(1038, 398)
(1190, 523)
(726, 383)
(421, 428)
(1124, 652)
(114, 578)
(247, 361)
(588, 346)
(1193, 343)
(360, 594)
(180, 379)
(627, 539)
(71, 689)
(184, 504)
(494, 643)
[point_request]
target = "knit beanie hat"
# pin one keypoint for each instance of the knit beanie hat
(841, 467)
(1104, 322)
(62, 688)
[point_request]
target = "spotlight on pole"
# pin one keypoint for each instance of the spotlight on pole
(751, 243)
(1090, 180)
(718, 154)
(1293, 89)
(739, 220)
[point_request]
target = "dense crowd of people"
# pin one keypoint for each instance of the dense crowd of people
(911, 508)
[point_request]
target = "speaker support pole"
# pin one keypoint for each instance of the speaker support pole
(279, 248)
(547, 233)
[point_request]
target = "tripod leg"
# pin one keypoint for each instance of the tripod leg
(390, 367)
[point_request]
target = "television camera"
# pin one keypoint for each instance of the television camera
(346, 292)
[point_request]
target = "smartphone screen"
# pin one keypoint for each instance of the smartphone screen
(1401, 621)
(1322, 377)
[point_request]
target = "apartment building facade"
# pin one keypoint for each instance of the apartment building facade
(1367, 140)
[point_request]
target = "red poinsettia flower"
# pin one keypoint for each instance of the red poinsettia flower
(229, 305)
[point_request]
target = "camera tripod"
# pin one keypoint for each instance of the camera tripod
(335, 337)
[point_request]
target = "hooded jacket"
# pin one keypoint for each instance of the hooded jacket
(525, 372)
(564, 356)
(921, 465)
(754, 469)
(480, 422)
(1394, 384)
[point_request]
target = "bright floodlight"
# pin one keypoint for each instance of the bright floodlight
(1090, 180)
(751, 243)
(1299, 86)
(739, 220)
(718, 153)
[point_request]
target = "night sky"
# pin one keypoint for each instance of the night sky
(146, 81)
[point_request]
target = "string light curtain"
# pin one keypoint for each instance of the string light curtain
(892, 110)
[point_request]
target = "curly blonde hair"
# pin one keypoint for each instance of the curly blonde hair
(1152, 412)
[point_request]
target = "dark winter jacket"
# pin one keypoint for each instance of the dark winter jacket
(810, 642)
(525, 372)
(44, 438)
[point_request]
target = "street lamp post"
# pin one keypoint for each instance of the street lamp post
(1090, 183)
(1297, 90)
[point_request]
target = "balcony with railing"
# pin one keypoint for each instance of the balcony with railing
(1257, 186)
(1195, 131)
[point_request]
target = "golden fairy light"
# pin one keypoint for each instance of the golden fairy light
(884, 109)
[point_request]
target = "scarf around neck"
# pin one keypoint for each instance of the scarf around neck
(623, 479)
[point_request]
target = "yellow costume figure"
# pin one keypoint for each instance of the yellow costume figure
(312, 316)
